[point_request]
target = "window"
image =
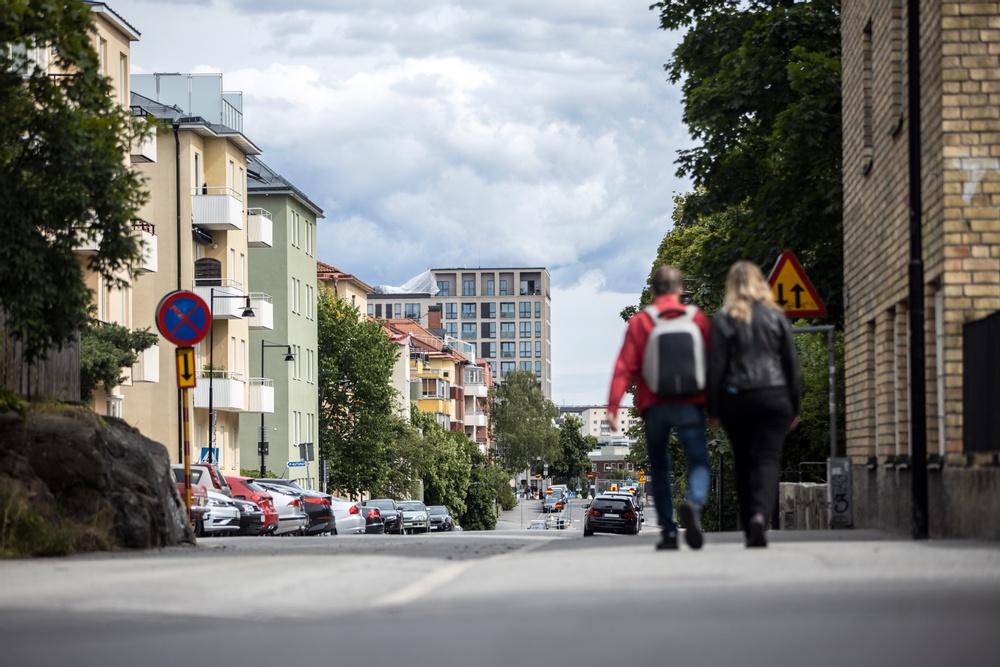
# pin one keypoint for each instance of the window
(607, 467)
(506, 310)
(397, 311)
(538, 309)
(526, 350)
(490, 287)
(451, 311)
(413, 311)
(493, 368)
(538, 369)
(102, 53)
(506, 367)
(524, 309)
(469, 287)
(197, 173)
(506, 350)
(525, 329)
(371, 310)
(444, 289)
(506, 329)
(123, 87)
(451, 329)
(538, 329)
(503, 287)
(526, 366)
(524, 287)
(489, 329)
(491, 351)
(488, 311)
(310, 230)
(538, 348)
(468, 311)
(468, 331)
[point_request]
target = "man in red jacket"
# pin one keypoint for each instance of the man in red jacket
(661, 416)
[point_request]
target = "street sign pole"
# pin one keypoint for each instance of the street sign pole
(186, 428)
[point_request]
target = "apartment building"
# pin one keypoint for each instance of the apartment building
(505, 312)
(279, 434)
(198, 207)
(594, 422)
(345, 286)
(960, 239)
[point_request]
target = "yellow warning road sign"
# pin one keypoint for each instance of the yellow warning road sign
(793, 290)
(185, 368)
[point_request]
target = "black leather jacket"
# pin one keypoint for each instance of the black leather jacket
(757, 355)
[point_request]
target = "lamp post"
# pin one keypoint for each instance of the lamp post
(247, 312)
(262, 445)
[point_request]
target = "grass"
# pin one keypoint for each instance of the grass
(25, 533)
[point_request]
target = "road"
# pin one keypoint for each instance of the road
(509, 597)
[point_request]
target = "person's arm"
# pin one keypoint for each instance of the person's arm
(718, 361)
(626, 367)
(791, 368)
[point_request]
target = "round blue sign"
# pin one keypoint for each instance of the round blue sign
(183, 318)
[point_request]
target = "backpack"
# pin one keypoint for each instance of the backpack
(673, 365)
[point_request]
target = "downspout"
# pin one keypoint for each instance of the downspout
(177, 188)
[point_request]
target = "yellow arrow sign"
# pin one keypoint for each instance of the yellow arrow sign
(186, 374)
(793, 290)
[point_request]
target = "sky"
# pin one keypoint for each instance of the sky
(459, 133)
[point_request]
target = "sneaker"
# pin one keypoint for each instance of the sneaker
(668, 541)
(691, 521)
(755, 531)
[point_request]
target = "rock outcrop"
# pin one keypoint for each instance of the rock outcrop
(96, 472)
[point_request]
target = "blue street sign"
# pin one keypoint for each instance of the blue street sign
(296, 464)
(183, 318)
(204, 454)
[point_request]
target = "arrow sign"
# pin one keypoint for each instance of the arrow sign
(793, 290)
(186, 376)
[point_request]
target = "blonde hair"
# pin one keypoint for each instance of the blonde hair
(745, 285)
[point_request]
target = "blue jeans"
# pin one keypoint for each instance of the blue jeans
(689, 421)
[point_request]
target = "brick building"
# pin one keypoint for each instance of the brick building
(960, 167)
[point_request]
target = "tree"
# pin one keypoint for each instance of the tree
(521, 421)
(361, 428)
(573, 461)
(51, 126)
(761, 89)
(442, 460)
(105, 349)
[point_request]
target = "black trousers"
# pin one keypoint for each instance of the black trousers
(756, 422)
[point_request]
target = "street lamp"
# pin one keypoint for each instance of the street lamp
(247, 312)
(262, 446)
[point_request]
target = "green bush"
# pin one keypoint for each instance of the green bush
(24, 533)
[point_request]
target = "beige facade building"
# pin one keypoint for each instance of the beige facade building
(505, 312)
(960, 168)
(594, 422)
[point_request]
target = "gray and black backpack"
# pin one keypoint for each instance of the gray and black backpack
(673, 365)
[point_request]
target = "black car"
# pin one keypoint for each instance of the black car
(374, 525)
(611, 514)
(317, 505)
(554, 502)
(440, 518)
(251, 517)
(391, 514)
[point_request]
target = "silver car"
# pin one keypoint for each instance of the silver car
(292, 517)
(349, 515)
(222, 517)
(415, 516)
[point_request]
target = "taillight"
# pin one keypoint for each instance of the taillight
(594, 512)
(317, 501)
(295, 503)
(372, 514)
(628, 515)
(354, 510)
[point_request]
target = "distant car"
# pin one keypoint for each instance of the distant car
(199, 501)
(292, 517)
(251, 517)
(244, 488)
(441, 518)
(223, 516)
(391, 514)
(538, 524)
(317, 505)
(207, 475)
(415, 516)
(611, 514)
(553, 503)
(349, 515)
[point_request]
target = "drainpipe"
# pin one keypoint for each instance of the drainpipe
(177, 189)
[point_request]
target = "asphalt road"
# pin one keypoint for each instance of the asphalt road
(509, 597)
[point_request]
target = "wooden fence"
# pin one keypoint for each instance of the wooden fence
(57, 377)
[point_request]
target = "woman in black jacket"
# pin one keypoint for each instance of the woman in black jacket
(753, 389)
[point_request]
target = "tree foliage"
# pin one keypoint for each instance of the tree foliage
(442, 459)
(573, 461)
(63, 140)
(361, 429)
(522, 422)
(105, 349)
(761, 90)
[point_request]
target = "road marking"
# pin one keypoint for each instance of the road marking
(425, 585)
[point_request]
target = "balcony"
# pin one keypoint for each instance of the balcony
(86, 245)
(147, 367)
(475, 419)
(227, 389)
(259, 227)
(263, 312)
(143, 149)
(476, 389)
(224, 308)
(217, 209)
(261, 395)
(508, 335)
(146, 233)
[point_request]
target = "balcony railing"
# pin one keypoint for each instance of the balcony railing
(218, 208)
(146, 231)
(263, 312)
(147, 366)
(507, 315)
(475, 419)
(143, 149)
(261, 395)
(227, 388)
(259, 226)
(224, 308)
(87, 245)
(476, 389)
(508, 334)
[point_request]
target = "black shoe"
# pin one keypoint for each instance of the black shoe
(755, 531)
(667, 542)
(691, 521)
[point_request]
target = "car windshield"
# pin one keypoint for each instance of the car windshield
(437, 510)
(412, 506)
(612, 505)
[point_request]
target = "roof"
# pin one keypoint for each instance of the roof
(140, 104)
(326, 272)
(116, 18)
(262, 180)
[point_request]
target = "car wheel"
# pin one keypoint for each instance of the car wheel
(588, 533)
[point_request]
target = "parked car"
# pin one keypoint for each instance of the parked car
(611, 514)
(244, 488)
(374, 525)
(538, 524)
(207, 475)
(199, 501)
(415, 516)
(317, 505)
(251, 517)
(390, 512)
(349, 516)
(441, 518)
(553, 503)
(292, 517)
(223, 516)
